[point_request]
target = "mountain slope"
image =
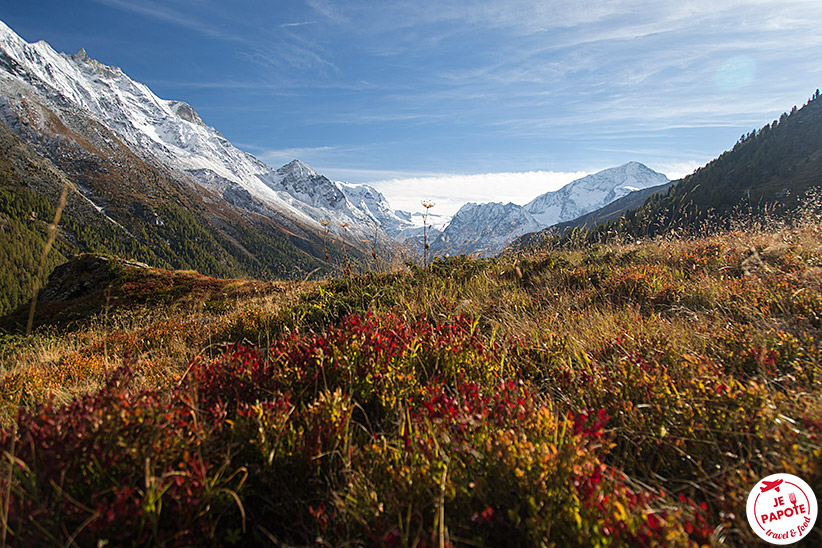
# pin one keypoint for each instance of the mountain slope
(147, 180)
(119, 204)
(169, 132)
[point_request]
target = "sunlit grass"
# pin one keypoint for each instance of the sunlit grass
(614, 395)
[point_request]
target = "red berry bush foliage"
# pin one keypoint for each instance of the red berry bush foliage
(376, 430)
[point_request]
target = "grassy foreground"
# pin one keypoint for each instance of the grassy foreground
(615, 396)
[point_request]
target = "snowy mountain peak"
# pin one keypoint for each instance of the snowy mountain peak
(365, 197)
(297, 169)
(82, 60)
(317, 191)
(81, 56)
(632, 173)
(486, 229)
(631, 169)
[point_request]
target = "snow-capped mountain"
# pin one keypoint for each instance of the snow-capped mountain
(305, 184)
(399, 225)
(592, 192)
(486, 229)
(172, 134)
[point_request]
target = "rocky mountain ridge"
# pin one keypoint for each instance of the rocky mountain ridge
(171, 134)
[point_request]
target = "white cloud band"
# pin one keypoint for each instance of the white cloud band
(450, 192)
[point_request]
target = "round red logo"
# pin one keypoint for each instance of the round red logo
(782, 509)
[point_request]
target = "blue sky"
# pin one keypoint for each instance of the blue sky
(458, 100)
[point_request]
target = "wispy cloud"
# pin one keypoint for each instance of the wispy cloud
(329, 10)
(292, 57)
(164, 13)
(285, 63)
(281, 57)
(300, 24)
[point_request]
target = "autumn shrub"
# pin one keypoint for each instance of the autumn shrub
(376, 430)
(120, 466)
